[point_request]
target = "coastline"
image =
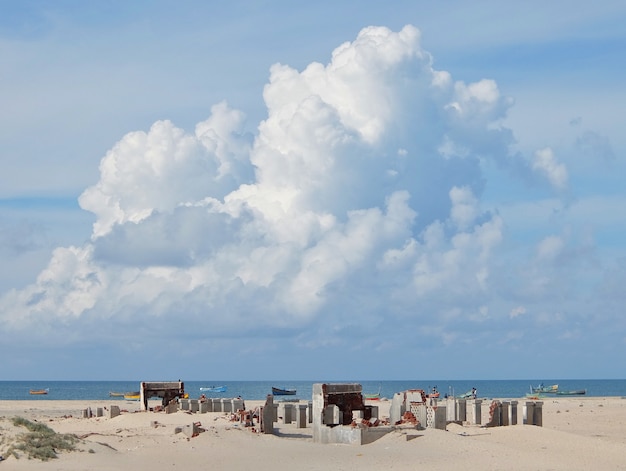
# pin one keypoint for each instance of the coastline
(577, 433)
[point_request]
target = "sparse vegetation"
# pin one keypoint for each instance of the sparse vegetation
(40, 442)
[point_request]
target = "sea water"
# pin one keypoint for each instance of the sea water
(258, 390)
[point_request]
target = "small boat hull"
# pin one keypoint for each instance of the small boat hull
(38, 392)
(283, 392)
(132, 396)
(577, 392)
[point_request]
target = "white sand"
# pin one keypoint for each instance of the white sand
(577, 433)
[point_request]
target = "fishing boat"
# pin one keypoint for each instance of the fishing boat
(551, 389)
(132, 396)
(283, 392)
(215, 389)
(39, 392)
(116, 394)
(433, 393)
(372, 396)
(576, 392)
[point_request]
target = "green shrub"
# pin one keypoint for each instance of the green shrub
(41, 442)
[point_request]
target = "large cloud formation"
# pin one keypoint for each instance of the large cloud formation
(357, 201)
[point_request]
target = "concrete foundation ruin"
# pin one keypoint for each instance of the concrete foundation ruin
(166, 390)
(333, 418)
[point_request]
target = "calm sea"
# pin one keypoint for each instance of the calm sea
(258, 390)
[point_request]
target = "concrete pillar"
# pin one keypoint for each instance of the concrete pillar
(114, 411)
(331, 415)
(504, 417)
(374, 412)
(440, 417)
(85, 413)
(98, 411)
(204, 407)
(237, 404)
(217, 404)
(310, 412)
(227, 405)
(301, 416)
(538, 414)
(275, 412)
(451, 409)
(194, 406)
(462, 410)
(474, 411)
(267, 415)
(529, 412)
(184, 404)
(513, 413)
(287, 413)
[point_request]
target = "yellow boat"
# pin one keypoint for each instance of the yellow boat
(39, 391)
(133, 396)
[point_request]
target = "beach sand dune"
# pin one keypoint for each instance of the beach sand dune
(577, 433)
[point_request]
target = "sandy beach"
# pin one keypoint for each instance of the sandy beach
(577, 433)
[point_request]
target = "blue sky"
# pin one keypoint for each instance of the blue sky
(337, 190)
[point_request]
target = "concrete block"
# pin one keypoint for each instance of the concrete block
(237, 404)
(505, 419)
(99, 412)
(440, 418)
(462, 410)
(513, 413)
(529, 412)
(114, 411)
(203, 407)
(194, 405)
(267, 415)
(184, 404)
(227, 405)
(538, 414)
(287, 412)
(331, 415)
(191, 430)
(301, 419)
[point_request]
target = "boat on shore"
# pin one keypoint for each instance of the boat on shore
(541, 389)
(372, 396)
(116, 394)
(132, 396)
(215, 389)
(39, 392)
(434, 394)
(576, 392)
(283, 392)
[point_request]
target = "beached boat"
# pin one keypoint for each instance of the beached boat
(133, 396)
(283, 392)
(541, 389)
(576, 392)
(433, 393)
(372, 396)
(116, 394)
(215, 389)
(38, 392)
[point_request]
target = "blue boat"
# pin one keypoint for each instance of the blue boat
(215, 389)
(283, 392)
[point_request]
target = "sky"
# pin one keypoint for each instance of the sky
(325, 191)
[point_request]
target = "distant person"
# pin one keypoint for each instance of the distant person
(474, 392)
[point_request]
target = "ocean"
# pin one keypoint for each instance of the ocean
(258, 390)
